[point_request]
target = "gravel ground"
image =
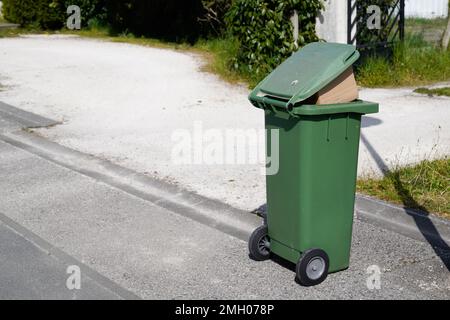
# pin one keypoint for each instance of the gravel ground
(127, 103)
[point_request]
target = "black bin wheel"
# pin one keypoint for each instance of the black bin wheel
(312, 267)
(259, 244)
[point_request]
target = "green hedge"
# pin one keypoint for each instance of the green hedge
(40, 13)
(265, 33)
(168, 19)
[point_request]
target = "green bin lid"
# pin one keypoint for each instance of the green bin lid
(307, 71)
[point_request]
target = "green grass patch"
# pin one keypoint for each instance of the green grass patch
(104, 33)
(15, 32)
(8, 33)
(424, 186)
(415, 62)
(219, 54)
(445, 91)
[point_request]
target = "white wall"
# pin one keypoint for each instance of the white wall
(331, 25)
(426, 8)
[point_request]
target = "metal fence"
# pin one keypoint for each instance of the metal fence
(378, 40)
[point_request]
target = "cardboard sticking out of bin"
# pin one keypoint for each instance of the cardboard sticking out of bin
(319, 73)
(341, 90)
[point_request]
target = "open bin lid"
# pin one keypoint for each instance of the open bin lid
(306, 72)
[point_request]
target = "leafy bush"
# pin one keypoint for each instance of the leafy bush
(166, 19)
(265, 33)
(50, 14)
(40, 13)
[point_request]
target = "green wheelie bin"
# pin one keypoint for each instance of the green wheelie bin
(310, 199)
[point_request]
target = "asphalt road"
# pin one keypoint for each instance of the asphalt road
(128, 245)
(35, 270)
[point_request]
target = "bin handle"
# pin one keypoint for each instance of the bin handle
(274, 102)
(285, 105)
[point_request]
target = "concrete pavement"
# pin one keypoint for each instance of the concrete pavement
(144, 244)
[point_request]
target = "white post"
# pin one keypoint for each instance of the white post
(331, 24)
(294, 21)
